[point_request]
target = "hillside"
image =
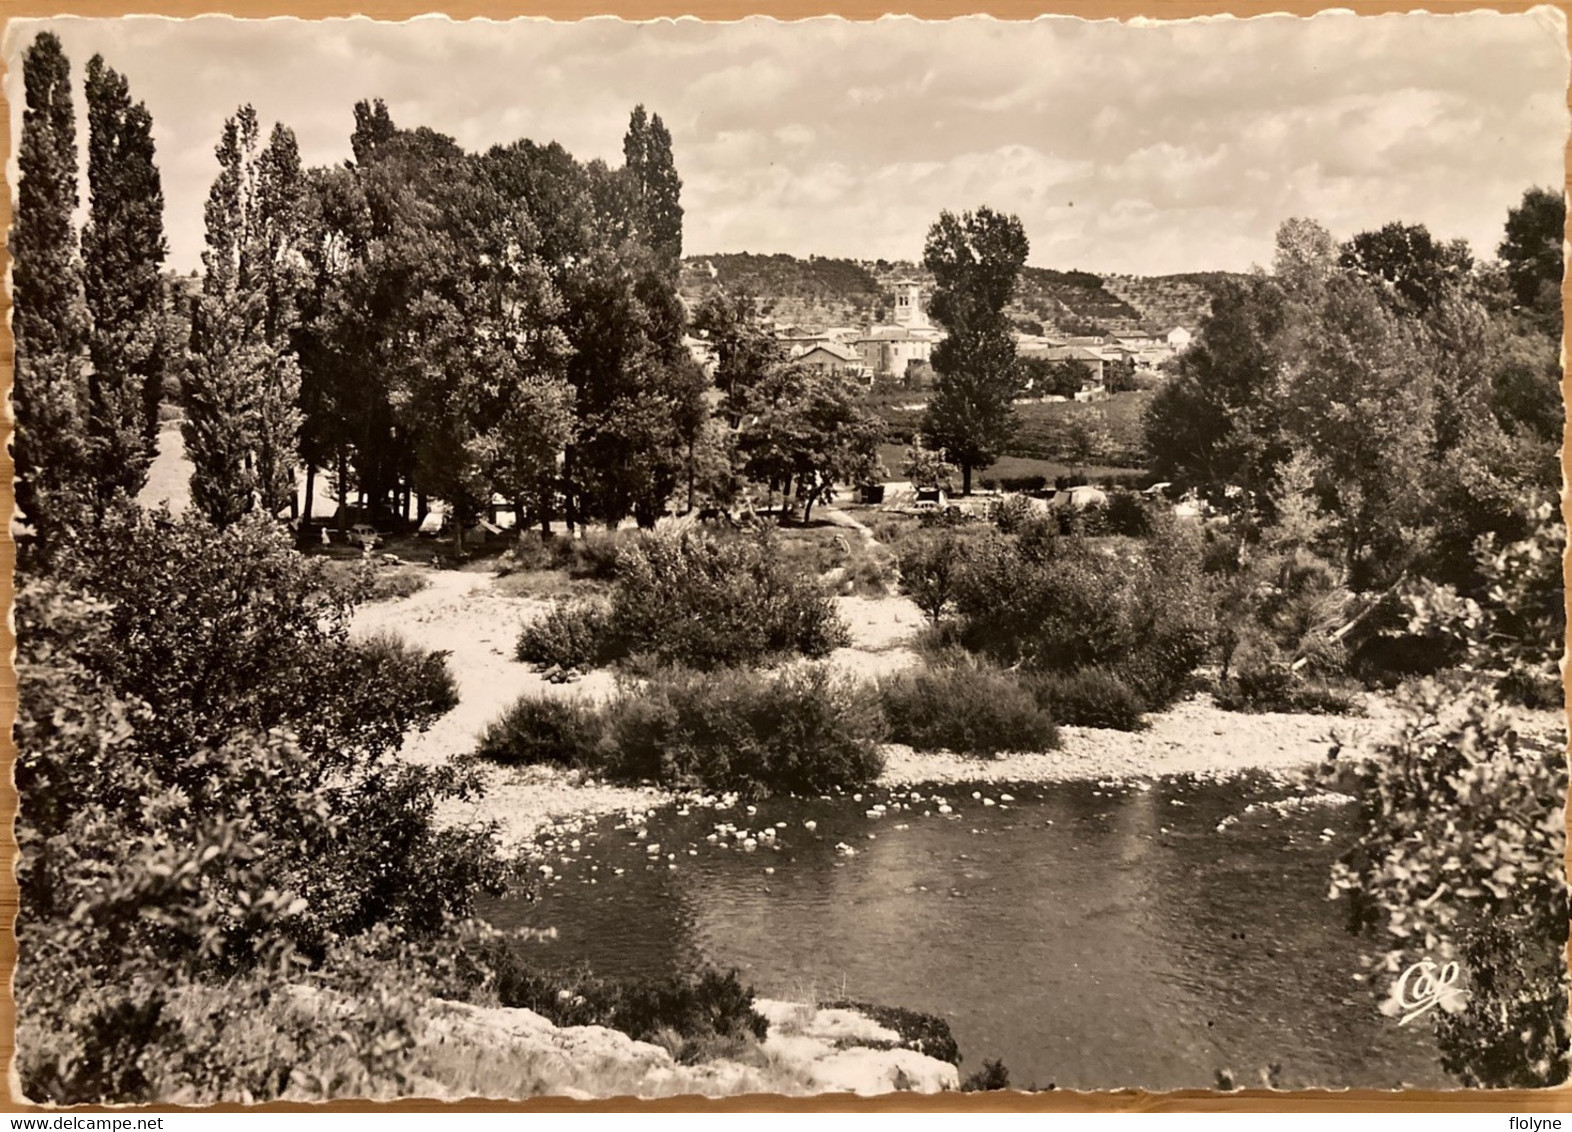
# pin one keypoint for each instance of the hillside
(818, 292)
(815, 292)
(1167, 301)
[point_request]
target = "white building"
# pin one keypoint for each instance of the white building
(889, 350)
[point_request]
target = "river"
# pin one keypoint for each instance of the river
(1089, 935)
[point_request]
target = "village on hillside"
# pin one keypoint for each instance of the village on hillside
(896, 349)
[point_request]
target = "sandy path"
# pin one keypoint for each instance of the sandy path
(464, 616)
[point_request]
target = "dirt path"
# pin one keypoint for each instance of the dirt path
(464, 616)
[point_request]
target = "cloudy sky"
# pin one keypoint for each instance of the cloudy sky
(1143, 149)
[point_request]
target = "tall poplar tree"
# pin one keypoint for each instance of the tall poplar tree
(975, 260)
(48, 322)
(241, 389)
(123, 250)
(646, 151)
(277, 233)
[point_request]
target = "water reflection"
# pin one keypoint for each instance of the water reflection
(1092, 937)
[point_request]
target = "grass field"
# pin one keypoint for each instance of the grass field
(1010, 467)
(1043, 444)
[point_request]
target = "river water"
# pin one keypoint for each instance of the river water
(1089, 935)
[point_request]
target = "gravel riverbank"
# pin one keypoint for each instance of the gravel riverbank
(464, 615)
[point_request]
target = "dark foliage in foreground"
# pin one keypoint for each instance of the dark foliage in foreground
(203, 749)
(992, 1076)
(1461, 851)
(926, 1033)
(698, 1010)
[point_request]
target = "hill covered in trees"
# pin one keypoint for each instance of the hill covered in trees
(822, 291)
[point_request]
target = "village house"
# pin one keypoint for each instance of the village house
(832, 357)
(1095, 360)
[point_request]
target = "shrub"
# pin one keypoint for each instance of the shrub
(572, 635)
(925, 1033)
(1127, 515)
(1269, 687)
(1088, 697)
(944, 519)
(966, 708)
(1009, 513)
(1461, 855)
(1062, 604)
(533, 553)
(708, 1006)
(1090, 521)
(691, 600)
(389, 585)
(539, 728)
(596, 555)
(991, 1077)
(1026, 484)
(928, 566)
(800, 730)
(420, 677)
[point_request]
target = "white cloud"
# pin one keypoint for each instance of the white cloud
(1158, 147)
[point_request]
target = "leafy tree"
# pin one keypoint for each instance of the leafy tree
(48, 324)
(1408, 259)
(1062, 378)
(929, 567)
(372, 244)
(1532, 250)
(635, 390)
(744, 350)
(1306, 255)
(278, 233)
(926, 468)
(808, 427)
(975, 260)
(1356, 394)
(519, 454)
(1088, 436)
(487, 391)
(123, 249)
(1214, 424)
(1121, 376)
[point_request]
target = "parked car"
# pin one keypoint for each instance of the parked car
(364, 535)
